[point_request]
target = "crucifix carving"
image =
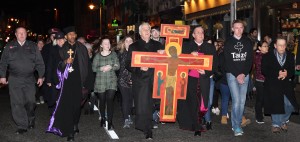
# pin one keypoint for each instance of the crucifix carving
(171, 69)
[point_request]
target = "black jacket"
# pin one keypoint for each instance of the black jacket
(275, 88)
(238, 55)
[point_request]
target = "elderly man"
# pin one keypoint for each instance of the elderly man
(142, 79)
(23, 58)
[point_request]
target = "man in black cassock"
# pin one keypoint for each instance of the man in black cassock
(189, 115)
(142, 81)
(76, 77)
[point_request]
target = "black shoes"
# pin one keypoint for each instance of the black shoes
(197, 133)
(102, 123)
(76, 130)
(149, 135)
(21, 131)
(71, 138)
(31, 124)
(208, 126)
(110, 126)
(31, 127)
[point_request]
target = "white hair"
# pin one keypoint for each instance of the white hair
(144, 24)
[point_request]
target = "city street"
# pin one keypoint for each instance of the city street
(90, 130)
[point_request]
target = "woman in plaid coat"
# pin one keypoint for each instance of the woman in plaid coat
(105, 64)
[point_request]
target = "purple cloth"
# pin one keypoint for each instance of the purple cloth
(62, 77)
(195, 73)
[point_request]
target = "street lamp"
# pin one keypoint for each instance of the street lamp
(55, 16)
(92, 7)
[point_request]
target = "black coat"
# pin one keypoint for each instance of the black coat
(275, 89)
(52, 64)
(142, 84)
(188, 110)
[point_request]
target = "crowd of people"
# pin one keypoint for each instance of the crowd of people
(72, 74)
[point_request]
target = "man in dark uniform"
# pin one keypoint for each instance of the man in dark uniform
(76, 79)
(142, 81)
(50, 94)
(23, 58)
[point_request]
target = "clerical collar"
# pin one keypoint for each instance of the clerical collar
(238, 38)
(199, 44)
(146, 41)
(21, 43)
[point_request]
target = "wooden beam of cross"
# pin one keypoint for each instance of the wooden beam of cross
(70, 52)
(171, 70)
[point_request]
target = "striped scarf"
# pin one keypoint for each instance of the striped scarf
(280, 59)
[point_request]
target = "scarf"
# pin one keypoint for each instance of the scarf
(280, 59)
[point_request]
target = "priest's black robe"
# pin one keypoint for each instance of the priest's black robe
(142, 85)
(67, 112)
(189, 115)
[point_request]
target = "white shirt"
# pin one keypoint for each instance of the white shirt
(199, 44)
(21, 43)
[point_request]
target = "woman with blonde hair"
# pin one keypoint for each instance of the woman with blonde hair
(124, 81)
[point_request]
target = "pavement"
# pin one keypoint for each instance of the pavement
(90, 130)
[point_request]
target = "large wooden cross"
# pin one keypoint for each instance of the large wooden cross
(171, 69)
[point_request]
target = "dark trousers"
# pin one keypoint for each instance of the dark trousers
(127, 99)
(50, 96)
(259, 100)
(107, 101)
(22, 100)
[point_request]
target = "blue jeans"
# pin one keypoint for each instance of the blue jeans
(225, 93)
(238, 95)
(210, 100)
(280, 119)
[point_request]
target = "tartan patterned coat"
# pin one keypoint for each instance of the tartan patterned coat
(105, 80)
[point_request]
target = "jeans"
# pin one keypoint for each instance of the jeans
(210, 100)
(238, 95)
(280, 119)
(225, 93)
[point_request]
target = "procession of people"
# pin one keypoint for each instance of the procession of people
(73, 74)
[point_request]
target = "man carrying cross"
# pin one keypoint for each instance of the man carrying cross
(75, 75)
(190, 114)
(142, 81)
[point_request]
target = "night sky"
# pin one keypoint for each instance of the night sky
(39, 14)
